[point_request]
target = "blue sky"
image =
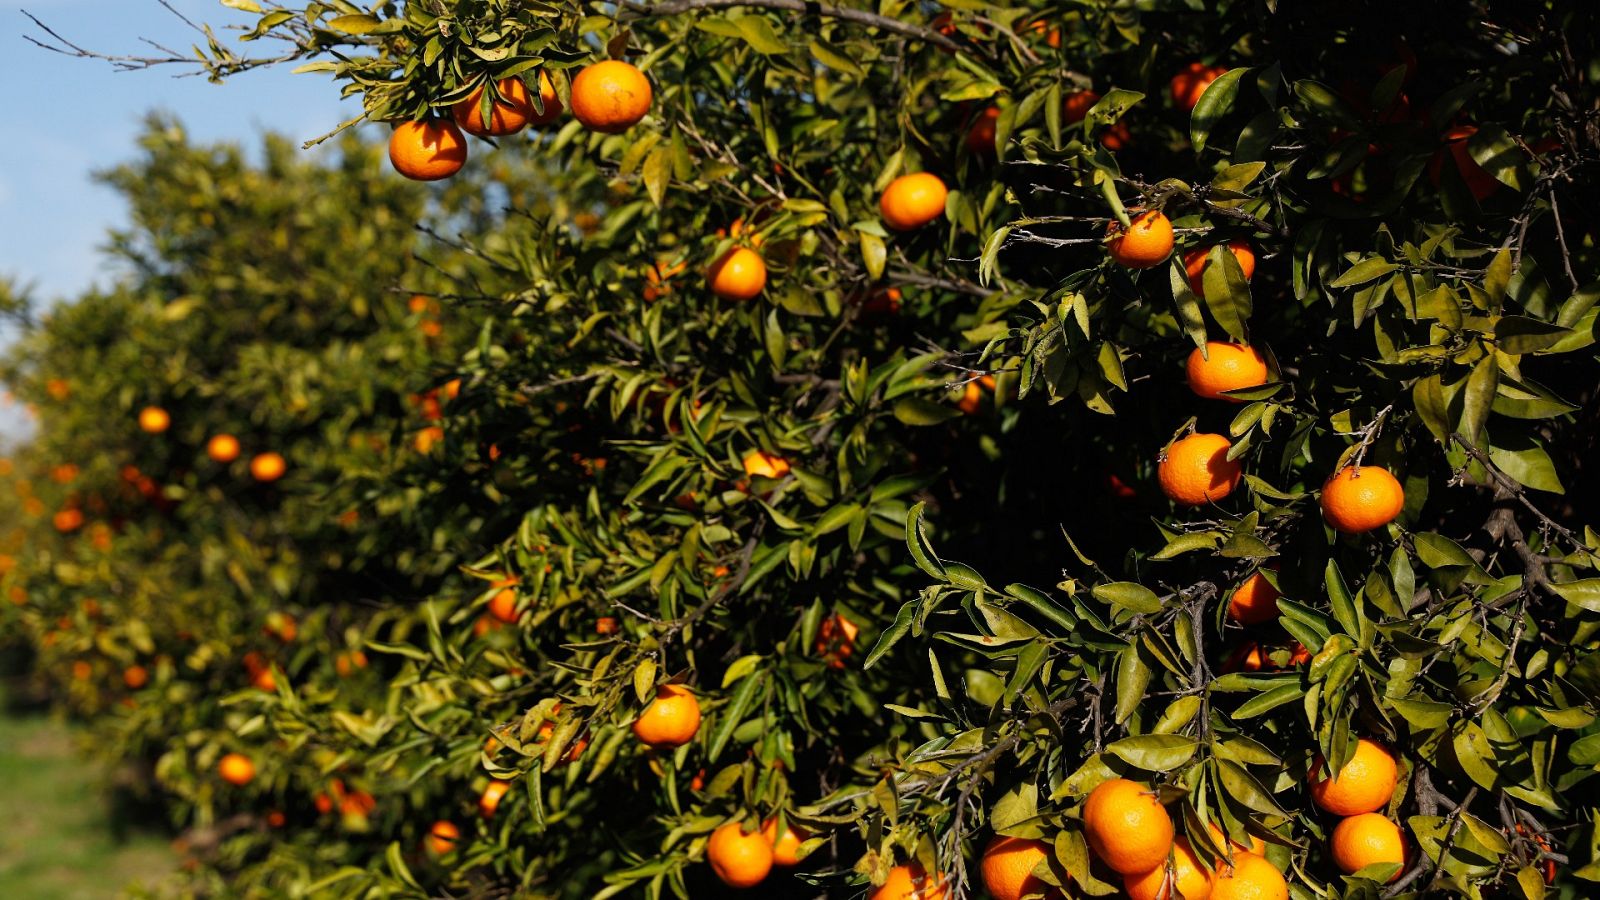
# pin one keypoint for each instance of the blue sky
(70, 117)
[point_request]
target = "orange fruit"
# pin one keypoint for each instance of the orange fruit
(154, 420)
(1248, 877)
(1222, 366)
(236, 769)
(135, 677)
(1257, 845)
(740, 859)
(1197, 470)
(442, 837)
(1127, 827)
(223, 448)
(1364, 785)
(1364, 840)
(1544, 845)
(1186, 880)
(606, 625)
(1254, 601)
(267, 467)
(972, 394)
(512, 112)
(1358, 499)
(493, 793)
(836, 640)
(1146, 242)
(428, 438)
(281, 625)
(760, 464)
(428, 150)
(786, 846)
(1191, 83)
(910, 882)
(884, 301)
(67, 520)
(912, 201)
(740, 274)
(671, 719)
(503, 606)
(276, 818)
(1475, 177)
(1196, 260)
(1008, 864)
(610, 96)
(980, 137)
(1077, 105)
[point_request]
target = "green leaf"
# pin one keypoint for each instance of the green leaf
(1133, 678)
(758, 32)
(1243, 787)
(1269, 700)
(892, 634)
(355, 24)
(1129, 595)
(919, 411)
(834, 58)
(1584, 592)
(731, 715)
(1527, 462)
(1369, 269)
(1519, 334)
(1154, 752)
(1215, 103)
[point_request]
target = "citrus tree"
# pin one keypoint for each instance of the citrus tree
(1257, 338)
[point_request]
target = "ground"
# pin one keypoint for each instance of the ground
(58, 841)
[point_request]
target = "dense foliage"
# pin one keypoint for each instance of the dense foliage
(597, 478)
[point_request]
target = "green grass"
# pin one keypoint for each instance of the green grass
(56, 835)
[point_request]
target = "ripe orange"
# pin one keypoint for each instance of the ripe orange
(428, 150)
(1076, 108)
(1364, 785)
(154, 420)
(836, 640)
(135, 677)
(1191, 83)
(972, 394)
(1008, 864)
(1197, 470)
(67, 520)
(610, 96)
(1187, 880)
(267, 467)
(671, 719)
(1146, 242)
(503, 606)
(606, 625)
(912, 201)
(1127, 827)
(740, 859)
(1077, 105)
(910, 882)
(509, 114)
(657, 276)
(1249, 877)
(236, 769)
(1358, 499)
(442, 837)
(223, 448)
(1475, 177)
(785, 847)
(1225, 367)
(428, 438)
(760, 464)
(980, 137)
(1366, 839)
(1195, 263)
(276, 818)
(1544, 845)
(740, 274)
(493, 793)
(1254, 601)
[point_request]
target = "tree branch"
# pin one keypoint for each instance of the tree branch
(860, 17)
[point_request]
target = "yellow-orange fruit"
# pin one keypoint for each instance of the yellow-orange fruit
(1365, 840)
(429, 150)
(912, 201)
(1146, 242)
(671, 719)
(1127, 827)
(739, 858)
(610, 96)
(1186, 880)
(740, 274)
(1358, 499)
(1008, 864)
(1222, 366)
(1254, 601)
(1197, 470)
(236, 769)
(1363, 785)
